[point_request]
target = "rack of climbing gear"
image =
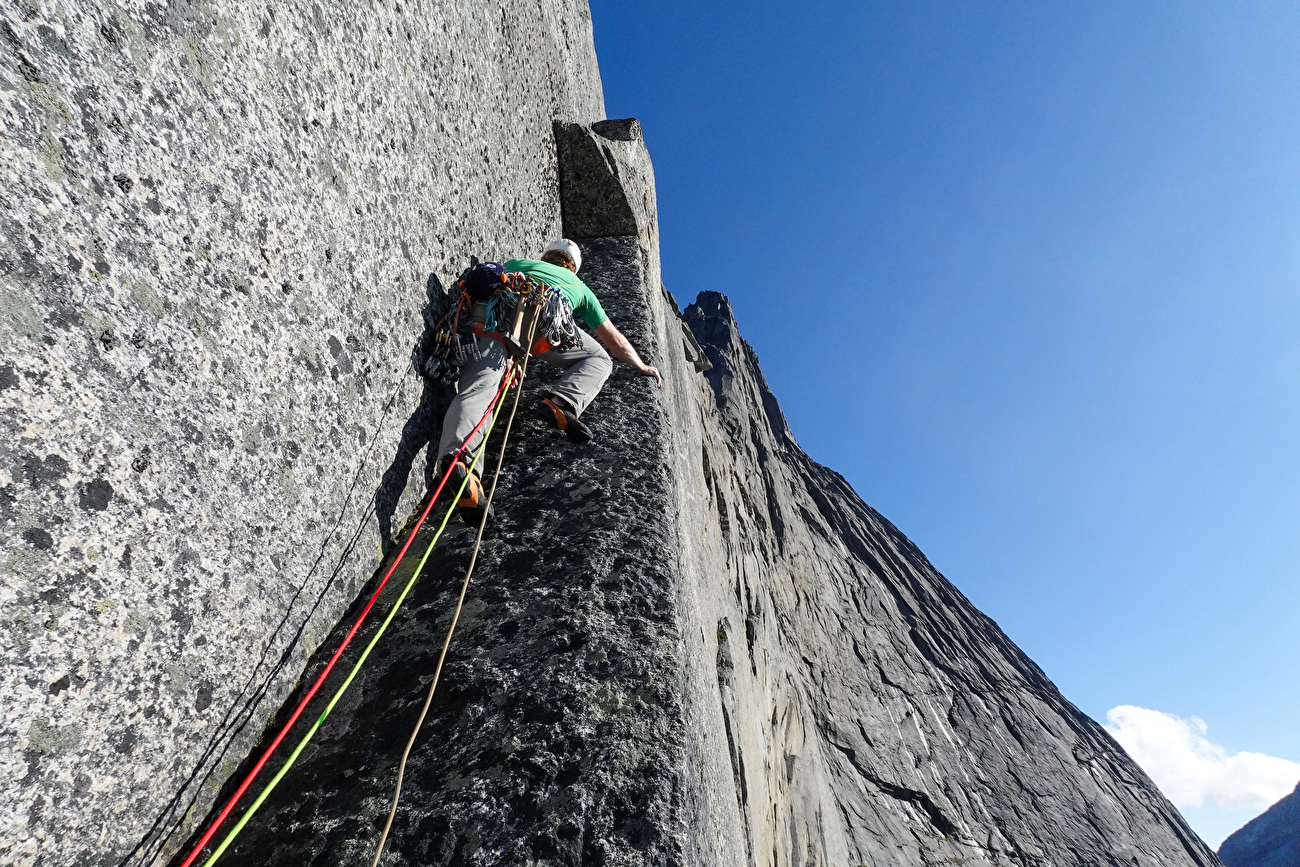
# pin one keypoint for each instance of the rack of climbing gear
(533, 308)
(512, 378)
(528, 307)
(452, 337)
(512, 304)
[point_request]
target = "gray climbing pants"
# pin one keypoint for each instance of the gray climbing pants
(586, 367)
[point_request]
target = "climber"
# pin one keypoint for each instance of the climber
(585, 362)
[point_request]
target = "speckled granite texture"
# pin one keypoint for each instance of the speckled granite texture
(218, 220)
(689, 644)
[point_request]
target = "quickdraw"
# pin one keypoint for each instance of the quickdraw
(449, 350)
(557, 321)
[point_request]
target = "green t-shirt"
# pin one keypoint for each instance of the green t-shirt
(584, 302)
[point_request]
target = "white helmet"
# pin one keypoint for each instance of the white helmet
(564, 245)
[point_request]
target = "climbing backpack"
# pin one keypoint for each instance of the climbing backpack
(480, 280)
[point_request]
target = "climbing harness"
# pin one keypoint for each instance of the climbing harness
(496, 304)
(530, 308)
(460, 602)
(540, 310)
(489, 416)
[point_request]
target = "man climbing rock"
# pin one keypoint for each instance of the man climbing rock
(585, 362)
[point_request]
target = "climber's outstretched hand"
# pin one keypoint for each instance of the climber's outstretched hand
(622, 349)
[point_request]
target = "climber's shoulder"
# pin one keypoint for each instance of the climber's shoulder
(545, 272)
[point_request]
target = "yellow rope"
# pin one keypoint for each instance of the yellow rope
(464, 587)
(383, 627)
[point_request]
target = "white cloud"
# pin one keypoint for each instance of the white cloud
(1190, 769)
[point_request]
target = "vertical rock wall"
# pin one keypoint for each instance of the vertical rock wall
(217, 223)
(556, 736)
(871, 715)
(689, 644)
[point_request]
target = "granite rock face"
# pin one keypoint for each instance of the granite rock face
(218, 220)
(607, 181)
(561, 697)
(689, 644)
(873, 715)
(1269, 840)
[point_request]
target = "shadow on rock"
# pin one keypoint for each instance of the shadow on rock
(425, 422)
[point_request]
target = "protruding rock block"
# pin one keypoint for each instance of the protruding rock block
(607, 185)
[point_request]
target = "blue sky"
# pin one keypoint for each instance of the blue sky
(1026, 275)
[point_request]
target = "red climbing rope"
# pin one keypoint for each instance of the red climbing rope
(506, 381)
(455, 617)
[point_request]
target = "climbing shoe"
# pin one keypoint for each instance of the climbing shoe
(473, 500)
(550, 412)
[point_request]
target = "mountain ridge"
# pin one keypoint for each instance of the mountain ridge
(687, 643)
(1271, 839)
